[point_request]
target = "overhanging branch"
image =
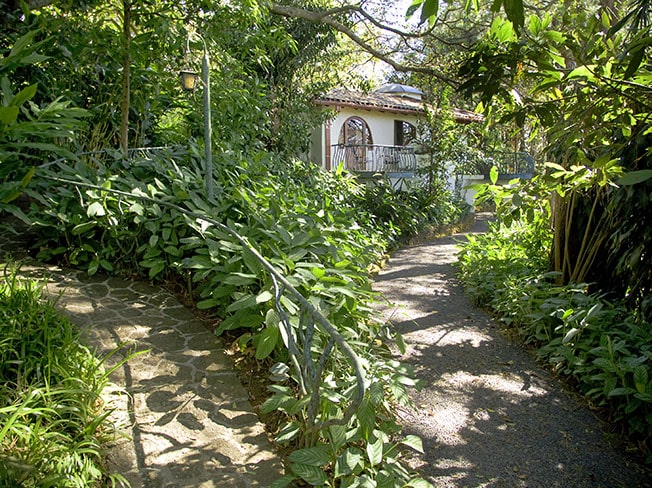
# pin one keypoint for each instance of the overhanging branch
(326, 17)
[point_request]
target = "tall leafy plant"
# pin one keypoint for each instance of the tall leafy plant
(339, 425)
(54, 423)
(589, 94)
(30, 133)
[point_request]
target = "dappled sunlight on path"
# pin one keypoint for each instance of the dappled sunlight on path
(488, 415)
(184, 416)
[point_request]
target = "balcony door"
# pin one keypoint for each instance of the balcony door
(355, 137)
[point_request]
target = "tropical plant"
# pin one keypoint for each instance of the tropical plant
(270, 268)
(54, 424)
(590, 96)
(29, 134)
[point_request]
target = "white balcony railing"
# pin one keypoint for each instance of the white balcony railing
(374, 158)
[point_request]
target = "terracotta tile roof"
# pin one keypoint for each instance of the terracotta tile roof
(387, 102)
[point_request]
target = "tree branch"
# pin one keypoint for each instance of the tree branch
(326, 17)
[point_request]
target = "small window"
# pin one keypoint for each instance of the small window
(404, 133)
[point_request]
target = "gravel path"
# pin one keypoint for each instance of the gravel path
(488, 415)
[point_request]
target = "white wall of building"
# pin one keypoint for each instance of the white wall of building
(381, 124)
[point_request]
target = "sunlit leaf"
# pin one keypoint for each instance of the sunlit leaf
(493, 175)
(267, 341)
(348, 462)
(313, 456)
(414, 442)
(375, 452)
(419, 483)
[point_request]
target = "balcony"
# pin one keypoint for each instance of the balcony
(510, 165)
(374, 158)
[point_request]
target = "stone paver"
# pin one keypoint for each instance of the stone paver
(185, 417)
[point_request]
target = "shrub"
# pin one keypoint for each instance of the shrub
(336, 389)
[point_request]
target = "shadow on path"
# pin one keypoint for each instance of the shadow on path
(187, 417)
(488, 415)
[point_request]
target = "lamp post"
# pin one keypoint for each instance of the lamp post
(188, 83)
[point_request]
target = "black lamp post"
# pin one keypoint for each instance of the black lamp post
(189, 83)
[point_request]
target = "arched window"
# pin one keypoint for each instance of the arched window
(355, 131)
(355, 136)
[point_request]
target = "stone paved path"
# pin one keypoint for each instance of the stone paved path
(488, 415)
(187, 417)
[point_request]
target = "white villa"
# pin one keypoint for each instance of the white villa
(373, 132)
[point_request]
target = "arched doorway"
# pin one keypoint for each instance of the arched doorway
(355, 137)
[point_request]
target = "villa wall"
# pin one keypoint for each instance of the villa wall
(381, 125)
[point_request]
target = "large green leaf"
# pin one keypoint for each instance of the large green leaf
(289, 432)
(366, 417)
(240, 279)
(640, 378)
(348, 462)
(243, 303)
(267, 341)
(414, 442)
(635, 177)
(312, 456)
(429, 11)
(375, 452)
(279, 401)
(310, 474)
(24, 95)
(337, 436)
(82, 228)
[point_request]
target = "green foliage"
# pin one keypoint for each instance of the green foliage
(430, 8)
(154, 220)
(53, 423)
(29, 133)
(590, 337)
(586, 90)
(262, 83)
(406, 212)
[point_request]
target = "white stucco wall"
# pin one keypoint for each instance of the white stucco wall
(381, 124)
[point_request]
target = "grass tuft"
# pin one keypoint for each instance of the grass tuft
(53, 423)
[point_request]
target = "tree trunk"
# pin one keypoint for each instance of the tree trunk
(126, 75)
